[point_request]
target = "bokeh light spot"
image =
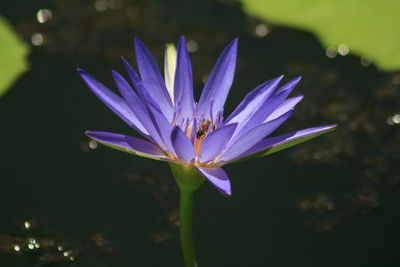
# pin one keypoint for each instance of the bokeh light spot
(37, 39)
(343, 49)
(192, 46)
(44, 15)
(330, 52)
(261, 30)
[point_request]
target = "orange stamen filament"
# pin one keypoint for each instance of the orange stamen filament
(201, 133)
(189, 130)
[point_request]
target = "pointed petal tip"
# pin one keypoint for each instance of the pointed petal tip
(81, 71)
(331, 126)
(226, 192)
(232, 45)
(218, 178)
(90, 134)
(138, 44)
(86, 76)
(293, 82)
(279, 79)
(228, 195)
(235, 42)
(117, 77)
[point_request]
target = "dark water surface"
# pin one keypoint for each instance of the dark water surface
(330, 202)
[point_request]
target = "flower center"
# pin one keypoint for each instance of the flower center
(197, 128)
(201, 132)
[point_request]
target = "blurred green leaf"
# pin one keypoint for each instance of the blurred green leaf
(369, 28)
(12, 56)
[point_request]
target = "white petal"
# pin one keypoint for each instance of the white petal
(169, 69)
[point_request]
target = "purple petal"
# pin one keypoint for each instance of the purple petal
(266, 109)
(219, 82)
(162, 126)
(252, 137)
(183, 147)
(136, 81)
(277, 143)
(138, 108)
(218, 177)
(215, 142)
(152, 79)
(288, 86)
(128, 144)
(253, 101)
(113, 102)
(183, 83)
(287, 105)
(273, 103)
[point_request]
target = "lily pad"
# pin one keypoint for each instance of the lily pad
(368, 28)
(13, 56)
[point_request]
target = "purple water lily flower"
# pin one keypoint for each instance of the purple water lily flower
(195, 135)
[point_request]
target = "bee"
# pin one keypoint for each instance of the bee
(202, 129)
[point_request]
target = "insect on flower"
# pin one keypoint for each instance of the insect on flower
(194, 135)
(202, 130)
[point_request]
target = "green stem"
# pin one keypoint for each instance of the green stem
(185, 224)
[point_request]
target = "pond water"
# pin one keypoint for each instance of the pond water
(65, 201)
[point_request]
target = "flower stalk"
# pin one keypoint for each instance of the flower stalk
(185, 227)
(188, 180)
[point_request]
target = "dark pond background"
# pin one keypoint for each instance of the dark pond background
(64, 201)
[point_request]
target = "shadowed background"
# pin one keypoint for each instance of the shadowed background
(66, 201)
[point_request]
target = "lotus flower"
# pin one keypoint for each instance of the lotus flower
(195, 135)
(192, 136)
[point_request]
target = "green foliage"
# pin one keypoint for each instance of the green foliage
(368, 27)
(13, 56)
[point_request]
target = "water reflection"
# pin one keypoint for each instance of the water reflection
(50, 249)
(165, 192)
